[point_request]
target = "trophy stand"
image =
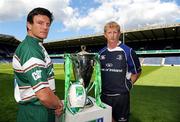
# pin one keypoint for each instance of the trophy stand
(91, 114)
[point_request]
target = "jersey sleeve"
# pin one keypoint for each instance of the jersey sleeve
(133, 63)
(34, 69)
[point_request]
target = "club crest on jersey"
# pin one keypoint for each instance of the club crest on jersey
(103, 57)
(119, 57)
(37, 74)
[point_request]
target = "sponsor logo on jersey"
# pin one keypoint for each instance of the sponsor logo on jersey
(109, 65)
(111, 70)
(37, 74)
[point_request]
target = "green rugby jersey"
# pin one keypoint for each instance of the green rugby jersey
(33, 70)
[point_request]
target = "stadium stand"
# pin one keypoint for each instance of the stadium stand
(8, 45)
(161, 61)
(155, 45)
(172, 61)
(58, 60)
(155, 61)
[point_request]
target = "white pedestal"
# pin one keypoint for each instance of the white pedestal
(92, 114)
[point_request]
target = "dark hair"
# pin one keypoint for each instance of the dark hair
(39, 11)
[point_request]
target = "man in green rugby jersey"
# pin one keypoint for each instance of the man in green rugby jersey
(33, 70)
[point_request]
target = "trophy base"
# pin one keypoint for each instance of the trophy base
(92, 114)
(88, 103)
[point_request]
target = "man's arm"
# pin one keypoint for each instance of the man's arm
(135, 66)
(134, 77)
(48, 98)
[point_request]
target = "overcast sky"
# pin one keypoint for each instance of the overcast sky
(85, 17)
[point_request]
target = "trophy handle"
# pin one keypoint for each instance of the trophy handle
(90, 86)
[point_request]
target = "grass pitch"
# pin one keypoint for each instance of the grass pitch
(154, 98)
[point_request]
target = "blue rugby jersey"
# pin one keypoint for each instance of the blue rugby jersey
(116, 67)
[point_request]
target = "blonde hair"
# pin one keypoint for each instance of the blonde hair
(112, 24)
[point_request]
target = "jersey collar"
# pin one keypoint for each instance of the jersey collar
(115, 47)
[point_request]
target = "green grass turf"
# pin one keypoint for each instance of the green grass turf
(154, 98)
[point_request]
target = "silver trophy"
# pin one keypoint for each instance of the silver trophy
(83, 64)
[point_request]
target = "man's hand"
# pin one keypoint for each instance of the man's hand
(59, 110)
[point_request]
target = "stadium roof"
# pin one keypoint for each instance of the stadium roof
(161, 32)
(9, 40)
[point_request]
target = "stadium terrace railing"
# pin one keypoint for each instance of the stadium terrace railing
(158, 51)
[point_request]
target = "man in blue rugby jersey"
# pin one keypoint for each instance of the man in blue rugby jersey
(120, 69)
